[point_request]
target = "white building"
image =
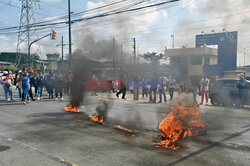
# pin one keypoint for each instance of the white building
(190, 62)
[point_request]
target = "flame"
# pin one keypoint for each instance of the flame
(181, 122)
(97, 119)
(127, 130)
(71, 108)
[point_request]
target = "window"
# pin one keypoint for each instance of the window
(179, 60)
(196, 60)
(207, 61)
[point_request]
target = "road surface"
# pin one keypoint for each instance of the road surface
(42, 133)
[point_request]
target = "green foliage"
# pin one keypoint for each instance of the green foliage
(8, 57)
(152, 56)
(11, 57)
(11, 69)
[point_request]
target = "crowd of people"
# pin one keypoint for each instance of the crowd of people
(161, 85)
(31, 84)
(170, 85)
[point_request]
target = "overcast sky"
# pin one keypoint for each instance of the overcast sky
(152, 27)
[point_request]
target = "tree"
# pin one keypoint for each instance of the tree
(153, 57)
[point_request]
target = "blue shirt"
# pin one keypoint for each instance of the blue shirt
(26, 79)
(243, 82)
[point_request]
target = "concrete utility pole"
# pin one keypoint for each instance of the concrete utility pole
(62, 44)
(244, 57)
(113, 53)
(121, 54)
(136, 91)
(173, 39)
(134, 47)
(70, 45)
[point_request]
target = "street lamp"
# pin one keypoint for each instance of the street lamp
(172, 39)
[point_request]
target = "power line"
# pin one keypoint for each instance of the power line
(96, 16)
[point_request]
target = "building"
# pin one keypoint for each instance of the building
(226, 42)
(52, 60)
(215, 55)
(191, 62)
(246, 70)
(6, 64)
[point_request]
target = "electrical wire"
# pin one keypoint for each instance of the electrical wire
(93, 17)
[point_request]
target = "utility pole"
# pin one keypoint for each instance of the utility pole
(134, 47)
(244, 57)
(138, 62)
(136, 91)
(121, 54)
(70, 50)
(113, 53)
(173, 39)
(62, 48)
(62, 44)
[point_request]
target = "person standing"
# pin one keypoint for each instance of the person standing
(26, 86)
(59, 85)
(40, 84)
(68, 82)
(31, 75)
(162, 89)
(19, 83)
(153, 89)
(204, 89)
(144, 88)
(50, 84)
(242, 91)
(35, 84)
(194, 90)
(6, 81)
(172, 84)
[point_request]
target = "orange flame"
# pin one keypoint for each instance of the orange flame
(180, 123)
(97, 119)
(71, 108)
(127, 130)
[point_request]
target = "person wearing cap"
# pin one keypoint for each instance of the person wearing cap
(242, 92)
(6, 80)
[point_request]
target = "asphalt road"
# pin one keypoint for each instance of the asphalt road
(42, 133)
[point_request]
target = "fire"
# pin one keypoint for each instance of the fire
(127, 130)
(97, 119)
(181, 122)
(72, 108)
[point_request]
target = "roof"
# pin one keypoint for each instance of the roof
(6, 63)
(37, 61)
(225, 79)
(196, 51)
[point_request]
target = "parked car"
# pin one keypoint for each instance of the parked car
(224, 92)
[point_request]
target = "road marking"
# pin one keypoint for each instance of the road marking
(35, 150)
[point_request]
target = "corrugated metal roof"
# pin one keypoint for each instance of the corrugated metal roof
(6, 63)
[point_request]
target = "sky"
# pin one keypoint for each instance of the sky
(152, 27)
